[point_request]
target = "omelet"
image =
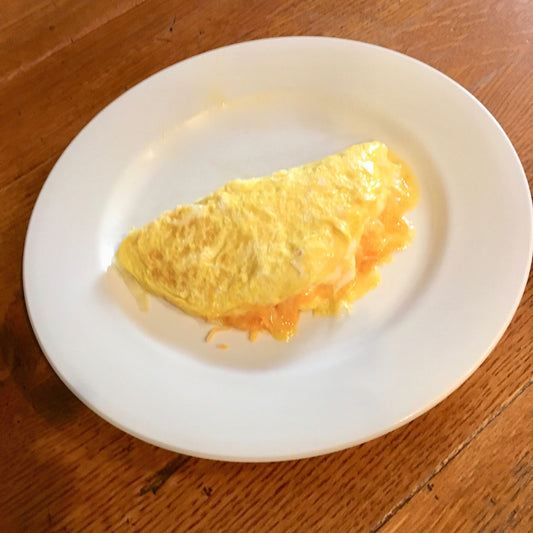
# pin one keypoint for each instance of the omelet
(256, 253)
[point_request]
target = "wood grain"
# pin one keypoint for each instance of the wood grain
(45, 28)
(62, 468)
(486, 487)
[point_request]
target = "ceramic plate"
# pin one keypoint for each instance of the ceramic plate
(247, 110)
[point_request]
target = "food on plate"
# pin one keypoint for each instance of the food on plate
(255, 253)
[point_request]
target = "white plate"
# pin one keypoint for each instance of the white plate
(246, 110)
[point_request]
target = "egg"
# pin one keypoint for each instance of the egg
(256, 253)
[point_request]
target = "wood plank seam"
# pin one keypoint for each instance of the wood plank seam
(450, 457)
(28, 12)
(22, 175)
(25, 67)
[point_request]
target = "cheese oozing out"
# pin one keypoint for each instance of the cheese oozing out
(256, 253)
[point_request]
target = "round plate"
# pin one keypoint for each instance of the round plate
(248, 110)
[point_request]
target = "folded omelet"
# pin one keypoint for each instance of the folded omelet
(257, 252)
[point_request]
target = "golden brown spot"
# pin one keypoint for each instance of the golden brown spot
(155, 273)
(171, 276)
(155, 255)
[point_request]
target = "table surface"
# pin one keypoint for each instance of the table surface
(466, 465)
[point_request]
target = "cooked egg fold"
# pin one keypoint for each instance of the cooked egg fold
(256, 252)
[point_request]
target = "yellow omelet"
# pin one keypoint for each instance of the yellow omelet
(255, 253)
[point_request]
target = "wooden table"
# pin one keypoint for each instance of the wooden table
(466, 465)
